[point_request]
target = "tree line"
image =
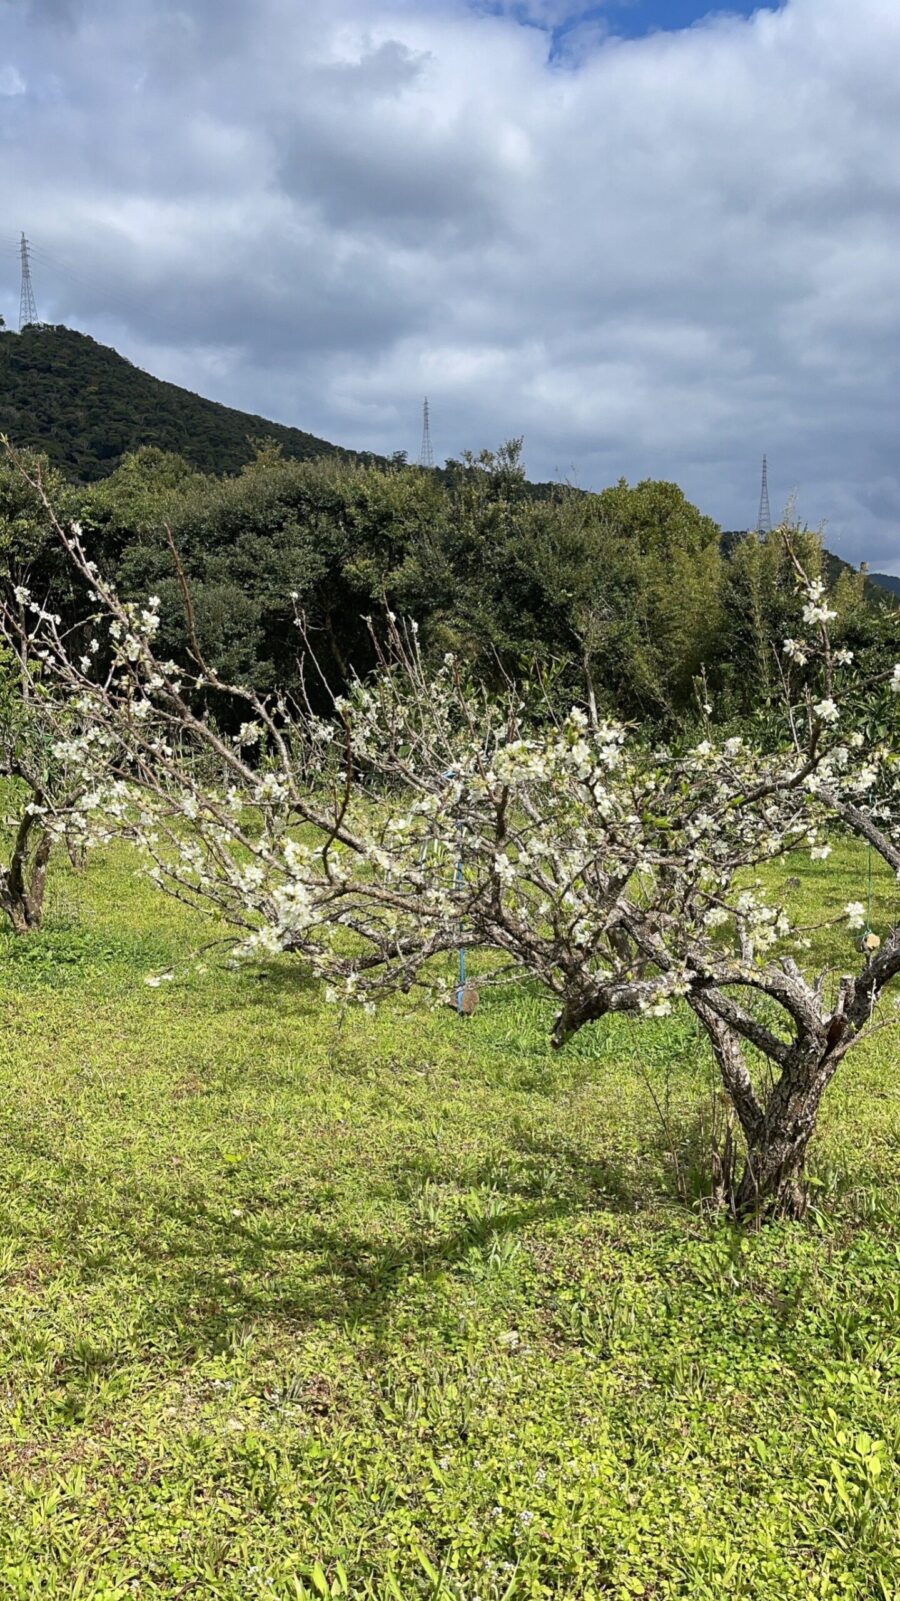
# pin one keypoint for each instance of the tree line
(630, 590)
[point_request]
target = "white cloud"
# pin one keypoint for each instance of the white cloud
(661, 257)
(11, 81)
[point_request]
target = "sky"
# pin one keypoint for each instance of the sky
(656, 241)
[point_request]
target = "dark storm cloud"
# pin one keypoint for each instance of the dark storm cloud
(660, 257)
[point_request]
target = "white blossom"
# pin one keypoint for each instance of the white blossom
(826, 711)
(818, 614)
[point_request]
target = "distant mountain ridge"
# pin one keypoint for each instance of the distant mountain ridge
(887, 581)
(86, 406)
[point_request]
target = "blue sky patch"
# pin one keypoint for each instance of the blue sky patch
(623, 19)
(633, 18)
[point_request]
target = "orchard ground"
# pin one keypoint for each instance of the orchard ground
(303, 1303)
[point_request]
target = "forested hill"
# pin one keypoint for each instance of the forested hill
(86, 407)
(888, 581)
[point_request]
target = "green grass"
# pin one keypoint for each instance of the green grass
(302, 1304)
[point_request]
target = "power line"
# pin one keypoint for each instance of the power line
(115, 299)
(107, 301)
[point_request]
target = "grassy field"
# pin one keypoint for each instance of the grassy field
(297, 1304)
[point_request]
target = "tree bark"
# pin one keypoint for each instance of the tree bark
(23, 885)
(773, 1183)
(729, 1054)
(777, 1131)
(24, 916)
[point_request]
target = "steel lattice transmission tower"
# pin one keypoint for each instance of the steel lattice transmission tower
(764, 520)
(27, 307)
(426, 454)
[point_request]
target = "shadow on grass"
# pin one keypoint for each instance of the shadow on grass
(534, 1167)
(206, 1273)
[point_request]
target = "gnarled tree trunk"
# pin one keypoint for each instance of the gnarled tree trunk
(23, 883)
(778, 1131)
(773, 1181)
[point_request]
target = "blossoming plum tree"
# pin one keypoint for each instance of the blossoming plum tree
(622, 877)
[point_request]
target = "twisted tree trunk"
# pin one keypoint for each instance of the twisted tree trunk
(773, 1181)
(778, 1131)
(23, 883)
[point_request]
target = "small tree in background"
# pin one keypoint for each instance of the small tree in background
(622, 877)
(54, 790)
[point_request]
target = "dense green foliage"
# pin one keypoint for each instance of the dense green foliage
(86, 407)
(629, 587)
(296, 1304)
(632, 588)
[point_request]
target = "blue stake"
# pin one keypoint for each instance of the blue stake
(462, 948)
(463, 994)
